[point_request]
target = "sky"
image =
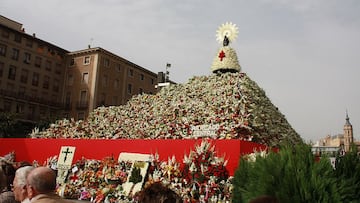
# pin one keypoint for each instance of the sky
(304, 54)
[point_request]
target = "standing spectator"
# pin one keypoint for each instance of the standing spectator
(41, 184)
(19, 184)
(6, 196)
(9, 172)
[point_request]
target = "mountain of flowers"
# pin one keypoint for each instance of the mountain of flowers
(231, 102)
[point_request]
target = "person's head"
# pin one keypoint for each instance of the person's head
(19, 183)
(41, 180)
(158, 193)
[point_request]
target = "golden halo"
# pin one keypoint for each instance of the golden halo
(227, 29)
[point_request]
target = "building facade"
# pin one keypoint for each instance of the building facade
(339, 143)
(95, 77)
(40, 81)
(31, 73)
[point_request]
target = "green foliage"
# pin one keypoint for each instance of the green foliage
(7, 124)
(135, 177)
(291, 175)
(348, 173)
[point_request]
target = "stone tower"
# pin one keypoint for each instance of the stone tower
(348, 134)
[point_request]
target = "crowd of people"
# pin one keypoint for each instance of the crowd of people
(38, 185)
(25, 183)
(231, 101)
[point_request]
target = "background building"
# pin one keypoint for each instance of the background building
(342, 143)
(96, 77)
(31, 73)
(40, 81)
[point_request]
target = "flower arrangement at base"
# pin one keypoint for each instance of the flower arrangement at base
(200, 177)
(95, 180)
(205, 173)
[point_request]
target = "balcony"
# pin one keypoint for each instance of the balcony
(21, 96)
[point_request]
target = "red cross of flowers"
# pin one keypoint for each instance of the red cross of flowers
(74, 177)
(221, 55)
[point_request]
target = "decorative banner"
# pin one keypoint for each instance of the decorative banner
(125, 156)
(139, 168)
(66, 156)
(204, 130)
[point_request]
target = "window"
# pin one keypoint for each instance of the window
(68, 100)
(86, 60)
(40, 48)
(5, 34)
(15, 54)
(19, 108)
(116, 83)
(24, 76)
(141, 76)
(29, 43)
(105, 81)
(46, 82)
(48, 65)
(2, 49)
(1, 69)
(58, 68)
(72, 62)
(152, 81)
(12, 73)
(27, 57)
(106, 62)
(70, 80)
(129, 88)
(35, 79)
(22, 90)
(38, 61)
(85, 78)
(56, 85)
(83, 97)
(17, 38)
(130, 72)
(118, 67)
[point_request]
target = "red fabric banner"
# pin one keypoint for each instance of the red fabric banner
(41, 149)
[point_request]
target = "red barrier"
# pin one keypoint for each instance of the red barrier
(41, 149)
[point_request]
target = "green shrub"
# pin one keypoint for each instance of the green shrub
(348, 173)
(291, 175)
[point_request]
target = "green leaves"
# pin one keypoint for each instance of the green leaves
(293, 175)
